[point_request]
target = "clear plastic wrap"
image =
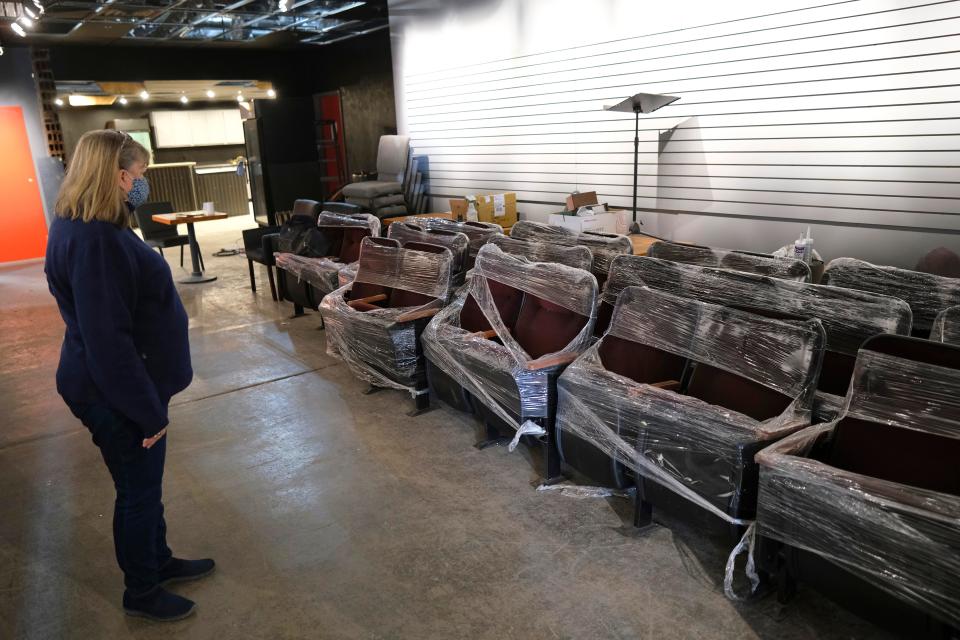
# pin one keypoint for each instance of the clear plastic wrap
(926, 294)
(323, 274)
(701, 451)
(759, 263)
(331, 219)
(946, 328)
(901, 538)
(501, 374)
(603, 247)
(382, 345)
(577, 257)
(849, 317)
(479, 233)
(458, 243)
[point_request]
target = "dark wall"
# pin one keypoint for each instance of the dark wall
(369, 111)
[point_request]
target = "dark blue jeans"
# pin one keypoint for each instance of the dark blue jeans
(139, 531)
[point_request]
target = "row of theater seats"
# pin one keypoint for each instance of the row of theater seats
(723, 385)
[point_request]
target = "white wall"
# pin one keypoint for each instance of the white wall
(841, 115)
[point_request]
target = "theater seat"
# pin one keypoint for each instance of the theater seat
(849, 317)
(869, 500)
(683, 393)
(763, 264)
(534, 251)
(479, 233)
(305, 281)
(378, 335)
(540, 315)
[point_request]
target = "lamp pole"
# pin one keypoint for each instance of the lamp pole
(634, 228)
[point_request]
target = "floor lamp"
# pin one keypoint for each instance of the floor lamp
(637, 104)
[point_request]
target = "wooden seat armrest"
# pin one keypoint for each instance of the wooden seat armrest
(380, 297)
(486, 335)
(551, 361)
(410, 316)
(667, 385)
(364, 306)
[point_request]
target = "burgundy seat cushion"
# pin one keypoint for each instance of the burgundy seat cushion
(640, 362)
(726, 389)
(507, 300)
(836, 372)
(544, 327)
(350, 246)
(914, 458)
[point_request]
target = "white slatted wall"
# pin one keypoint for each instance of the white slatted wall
(844, 115)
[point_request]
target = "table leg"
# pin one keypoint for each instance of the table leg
(197, 275)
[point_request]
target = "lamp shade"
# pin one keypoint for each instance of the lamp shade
(643, 103)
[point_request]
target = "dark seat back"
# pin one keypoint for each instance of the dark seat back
(154, 230)
(884, 446)
(366, 289)
(639, 362)
(404, 298)
(728, 390)
(507, 300)
(544, 327)
(310, 208)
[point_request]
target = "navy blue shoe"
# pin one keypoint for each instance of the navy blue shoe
(179, 570)
(158, 605)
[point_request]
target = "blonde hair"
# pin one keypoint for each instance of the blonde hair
(90, 190)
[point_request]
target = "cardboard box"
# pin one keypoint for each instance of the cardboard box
(577, 200)
(603, 222)
(500, 208)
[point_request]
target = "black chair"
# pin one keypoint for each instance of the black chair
(160, 236)
(259, 243)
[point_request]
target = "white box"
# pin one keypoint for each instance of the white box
(604, 222)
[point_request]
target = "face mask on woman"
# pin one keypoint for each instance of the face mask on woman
(139, 192)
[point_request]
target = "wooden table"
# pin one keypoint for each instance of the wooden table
(189, 218)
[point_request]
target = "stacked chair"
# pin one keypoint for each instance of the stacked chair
(304, 281)
(867, 508)
(499, 347)
(479, 233)
(374, 323)
(383, 197)
(926, 294)
(849, 317)
(946, 328)
(760, 263)
(684, 393)
(458, 243)
(577, 257)
(604, 247)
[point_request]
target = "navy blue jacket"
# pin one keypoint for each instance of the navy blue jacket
(126, 343)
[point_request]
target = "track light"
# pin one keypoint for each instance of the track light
(25, 21)
(271, 93)
(144, 95)
(58, 102)
(283, 5)
(210, 93)
(30, 12)
(184, 100)
(39, 7)
(240, 97)
(17, 29)
(122, 100)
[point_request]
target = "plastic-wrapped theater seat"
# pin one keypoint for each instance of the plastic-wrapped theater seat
(946, 328)
(926, 294)
(458, 243)
(506, 338)
(604, 247)
(479, 233)
(374, 323)
(871, 501)
(849, 317)
(577, 257)
(748, 261)
(304, 281)
(684, 393)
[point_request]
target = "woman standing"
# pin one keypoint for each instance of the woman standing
(125, 353)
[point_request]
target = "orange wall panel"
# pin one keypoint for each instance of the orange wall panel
(23, 230)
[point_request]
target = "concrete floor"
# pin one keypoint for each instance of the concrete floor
(331, 514)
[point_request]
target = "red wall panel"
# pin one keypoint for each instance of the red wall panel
(23, 230)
